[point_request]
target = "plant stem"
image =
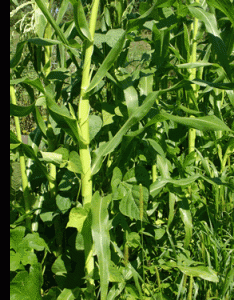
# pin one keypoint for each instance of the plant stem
(193, 57)
(83, 126)
(25, 183)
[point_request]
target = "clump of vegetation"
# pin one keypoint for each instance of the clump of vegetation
(125, 187)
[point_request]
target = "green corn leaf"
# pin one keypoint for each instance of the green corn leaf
(203, 272)
(136, 116)
(80, 20)
(225, 6)
(156, 187)
(51, 20)
(18, 53)
(101, 237)
(200, 123)
(107, 63)
(131, 98)
(21, 111)
(186, 217)
(211, 26)
(61, 115)
(44, 42)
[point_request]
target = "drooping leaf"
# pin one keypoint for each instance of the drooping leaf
(107, 63)
(217, 42)
(51, 20)
(200, 123)
(203, 272)
(80, 20)
(61, 115)
(225, 6)
(101, 237)
(136, 116)
(21, 111)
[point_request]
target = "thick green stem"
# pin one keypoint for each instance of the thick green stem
(25, 183)
(193, 58)
(83, 126)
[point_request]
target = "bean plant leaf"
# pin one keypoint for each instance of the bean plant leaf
(101, 237)
(77, 217)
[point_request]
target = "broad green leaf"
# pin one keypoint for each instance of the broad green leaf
(52, 157)
(77, 217)
(63, 203)
(35, 241)
(200, 123)
(205, 273)
(217, 42)
(26, 286)
(21, 111)
(101, 238)
(107, 63)
(156, 147)
(80, 20)
(130, 204)
(74, 163)
(95, 125)
(136, 116)
(68, 294)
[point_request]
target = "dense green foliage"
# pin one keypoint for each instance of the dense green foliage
(125, 189)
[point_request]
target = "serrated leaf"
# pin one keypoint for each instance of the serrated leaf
(130, 203)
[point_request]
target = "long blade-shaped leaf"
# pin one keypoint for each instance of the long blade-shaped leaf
(136, 116)
(80, 20)
(101, 237)
(211, 26)
(51, 20)
(225, 6)
(107, 63)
